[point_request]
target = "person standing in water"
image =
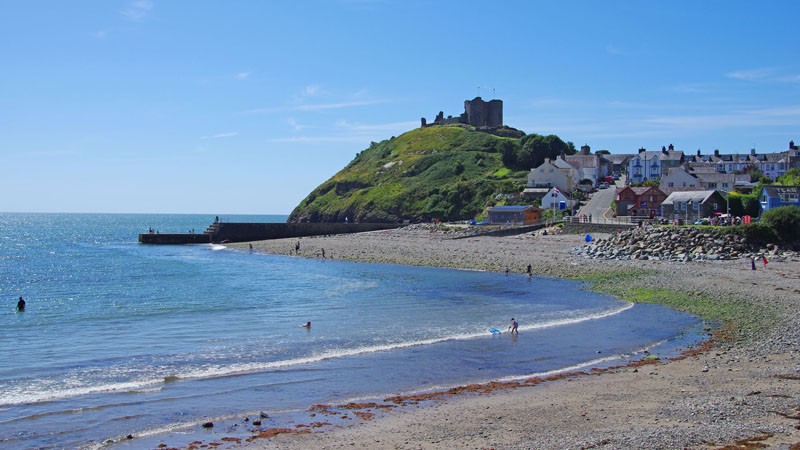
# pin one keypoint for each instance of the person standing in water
(21, 304)
(512, 328)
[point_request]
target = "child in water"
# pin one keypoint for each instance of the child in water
(513, 327)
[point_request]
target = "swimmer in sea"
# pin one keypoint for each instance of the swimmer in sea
(307, 325)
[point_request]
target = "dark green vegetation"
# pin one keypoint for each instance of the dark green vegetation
(777, 226)
(438, 172)
(639, 286)
(744, 204)
(785, 221)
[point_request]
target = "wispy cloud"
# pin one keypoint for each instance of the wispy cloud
(319, 139)
(765, 117)
(310, 90)
(612, 49)
(314, 106)
(295, 125)
(243, 75)
(371, 128)
(99, 34)
(220, 135)
(752, 74)
(138, 10)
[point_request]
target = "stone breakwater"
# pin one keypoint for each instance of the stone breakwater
(677, 244)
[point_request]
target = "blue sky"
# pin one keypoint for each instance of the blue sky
(227, 107)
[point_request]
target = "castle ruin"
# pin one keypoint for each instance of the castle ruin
(478, 113)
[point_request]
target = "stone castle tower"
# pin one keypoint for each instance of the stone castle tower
(478, 113)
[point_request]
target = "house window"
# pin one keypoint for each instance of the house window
(712, 185)
(696, 205)
(788, 196)
(724, 185)
(671, 184)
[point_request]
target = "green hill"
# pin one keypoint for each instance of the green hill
(439, 172)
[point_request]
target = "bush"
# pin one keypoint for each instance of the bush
(785, 221)
(758, 234)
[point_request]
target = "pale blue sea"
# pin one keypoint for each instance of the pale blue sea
(121, 338)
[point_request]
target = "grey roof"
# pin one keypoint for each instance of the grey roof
(617, 158)
(702, 167)
(716, 177)
(686, 196)
(670, 190)
(582, 161)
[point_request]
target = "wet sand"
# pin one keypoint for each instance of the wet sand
(743, 391)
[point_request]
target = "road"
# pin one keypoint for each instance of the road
(598, 206)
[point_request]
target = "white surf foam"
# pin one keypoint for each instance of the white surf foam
(207, 372)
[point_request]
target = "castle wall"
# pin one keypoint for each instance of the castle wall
(477, 113)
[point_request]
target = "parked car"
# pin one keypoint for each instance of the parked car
(603, 185)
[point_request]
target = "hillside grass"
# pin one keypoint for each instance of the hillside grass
(444, 172)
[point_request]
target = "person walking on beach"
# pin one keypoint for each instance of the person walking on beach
(512, 328)
(528, 270)
(764, 260)
(21, 304)
(753, 263)
(297, 248)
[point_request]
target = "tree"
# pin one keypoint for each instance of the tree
(602, 152)
(790, 178)
(754, 172)
(508, 153)
(536, 148)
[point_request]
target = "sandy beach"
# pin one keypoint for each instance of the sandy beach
(744, 392)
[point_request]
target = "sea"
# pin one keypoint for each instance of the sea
(123, 339)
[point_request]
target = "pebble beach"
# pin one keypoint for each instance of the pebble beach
(741, 391)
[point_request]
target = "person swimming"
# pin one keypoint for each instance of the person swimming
(21, 304)
(307, 325)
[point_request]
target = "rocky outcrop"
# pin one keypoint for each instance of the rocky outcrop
(677, 244)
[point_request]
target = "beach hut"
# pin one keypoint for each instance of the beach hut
(514, 214)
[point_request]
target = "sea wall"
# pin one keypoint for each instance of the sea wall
(583, 228)
(175, 239)
(245, 232)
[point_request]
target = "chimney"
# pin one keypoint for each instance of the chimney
(753, 152)
(585, 149)
(791, 145)
(664, 150)
(642, 150)
(698, 153)
(671, 148)
(716, 152)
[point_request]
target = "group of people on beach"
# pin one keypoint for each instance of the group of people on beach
(753, 262)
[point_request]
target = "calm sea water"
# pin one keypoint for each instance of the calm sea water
(120, 338)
